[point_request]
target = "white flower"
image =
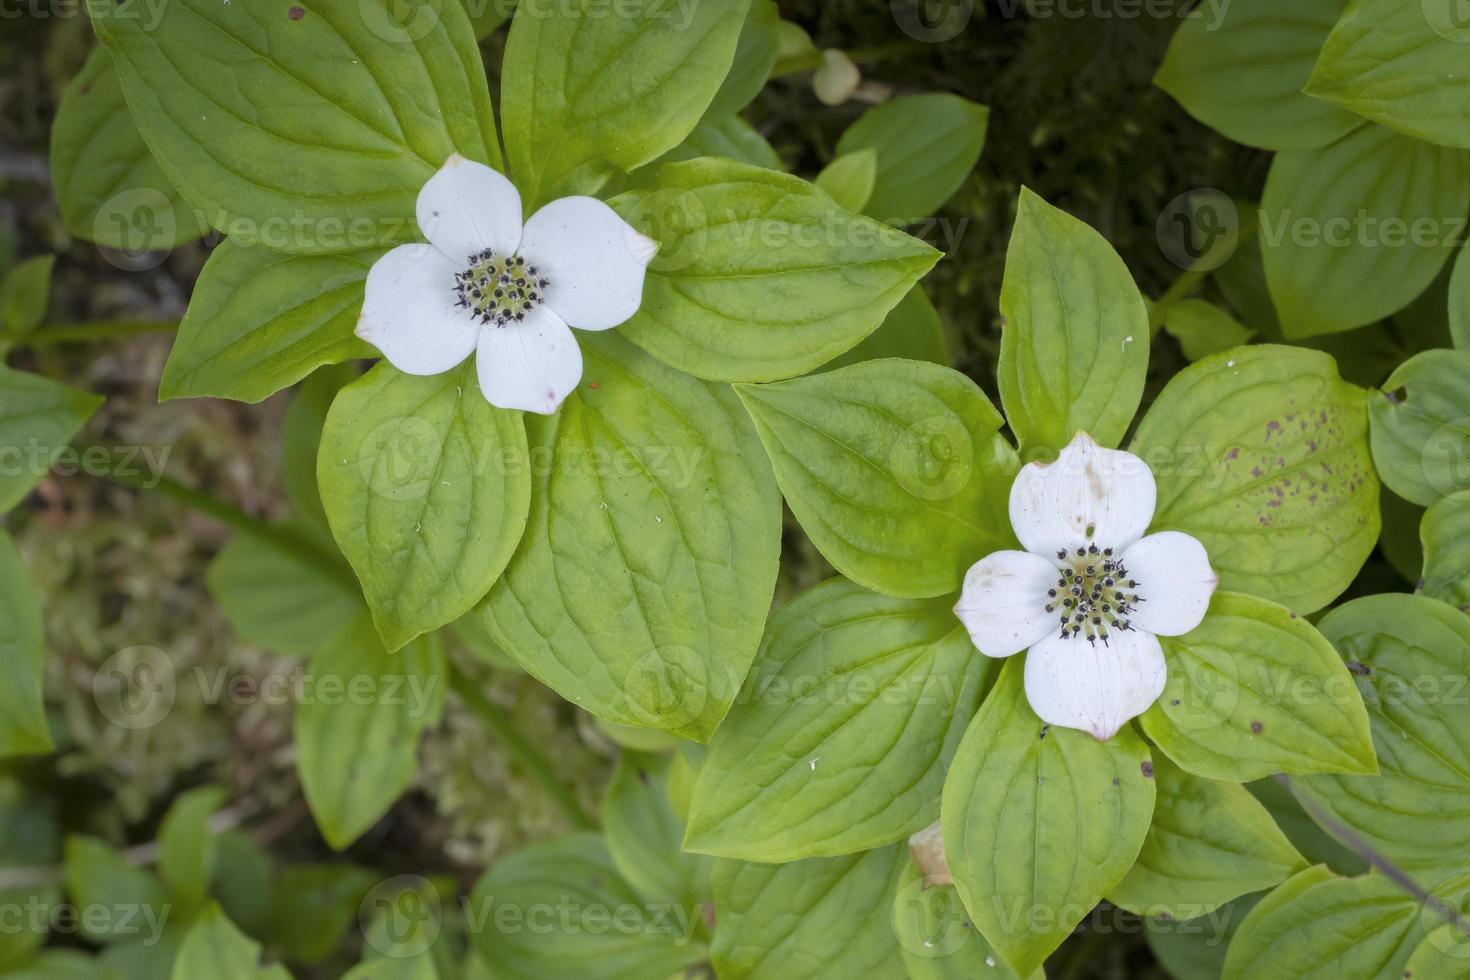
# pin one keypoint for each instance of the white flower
(485, 284)
(1090, 593)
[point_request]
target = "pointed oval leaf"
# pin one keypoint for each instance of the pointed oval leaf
(358, 724)
(426, 487)
(1410, 656)
(1262, 454)
(1353, 231)
(824, 917)
(1421, 426)
(844, 730)
(896, 470)
(586, 90)
(1066, 812)
(1254, 690)
(642, 583)
(760, 275)
(102, 171)
(302, 125)
(260, 321)
(1074, 344)
(1210, 842)
(1267, 51)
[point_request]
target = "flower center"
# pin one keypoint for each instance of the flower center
(1094, 595)
(499, 290)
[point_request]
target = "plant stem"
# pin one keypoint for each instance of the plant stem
(297, 545)
(530, 757)
(1359, 846)
(812, 60)
(80, 333)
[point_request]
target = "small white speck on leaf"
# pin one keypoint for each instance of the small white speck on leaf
(814, 764)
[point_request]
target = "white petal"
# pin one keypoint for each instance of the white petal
(1095, 688)
(1003, 602)
(532, 365)
(594, 260)
(408, 311)
(1090, 494)
(466, 207)
(1174, 578)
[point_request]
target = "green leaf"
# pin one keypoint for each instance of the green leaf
(260, 321)
(1074, 346)
(1266, 50)
(1067, 813)
(110, 188)
(1411, 656)
(244, 881)
(895, 469)
(912, 330)
(844, 730)
(279, 600)
(1459, 300)
(1317, 926)
(761, 276)
(1202, 328)
(215, 949)
(936, 938)
(301, 437)
(824, 917)
(1262, 454)
(23, 728)
(302, 125)
(607, 930)
(186, 846)
(150, 955)
(926, 144)
(1353, 231)
(645, 836)
(1312, 841)
(315, 905)
(850, 178)
(29, 835)
(642, 583)
(1405, 72)
(426, 487)
(1210, 842)
(1421, 426)
(38, 418)
(1254, 690)
(25, 292)
(726, 136)
(584, 91)
(1445, 532)
(1195, 949)
(358, 723)
(124, 901)
(755, 56)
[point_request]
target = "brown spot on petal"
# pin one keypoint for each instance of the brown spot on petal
(1257, 727)
(1147, 768)
(296, 13)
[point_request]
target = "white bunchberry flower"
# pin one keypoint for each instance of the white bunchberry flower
(506, 292)
(1090, 593)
